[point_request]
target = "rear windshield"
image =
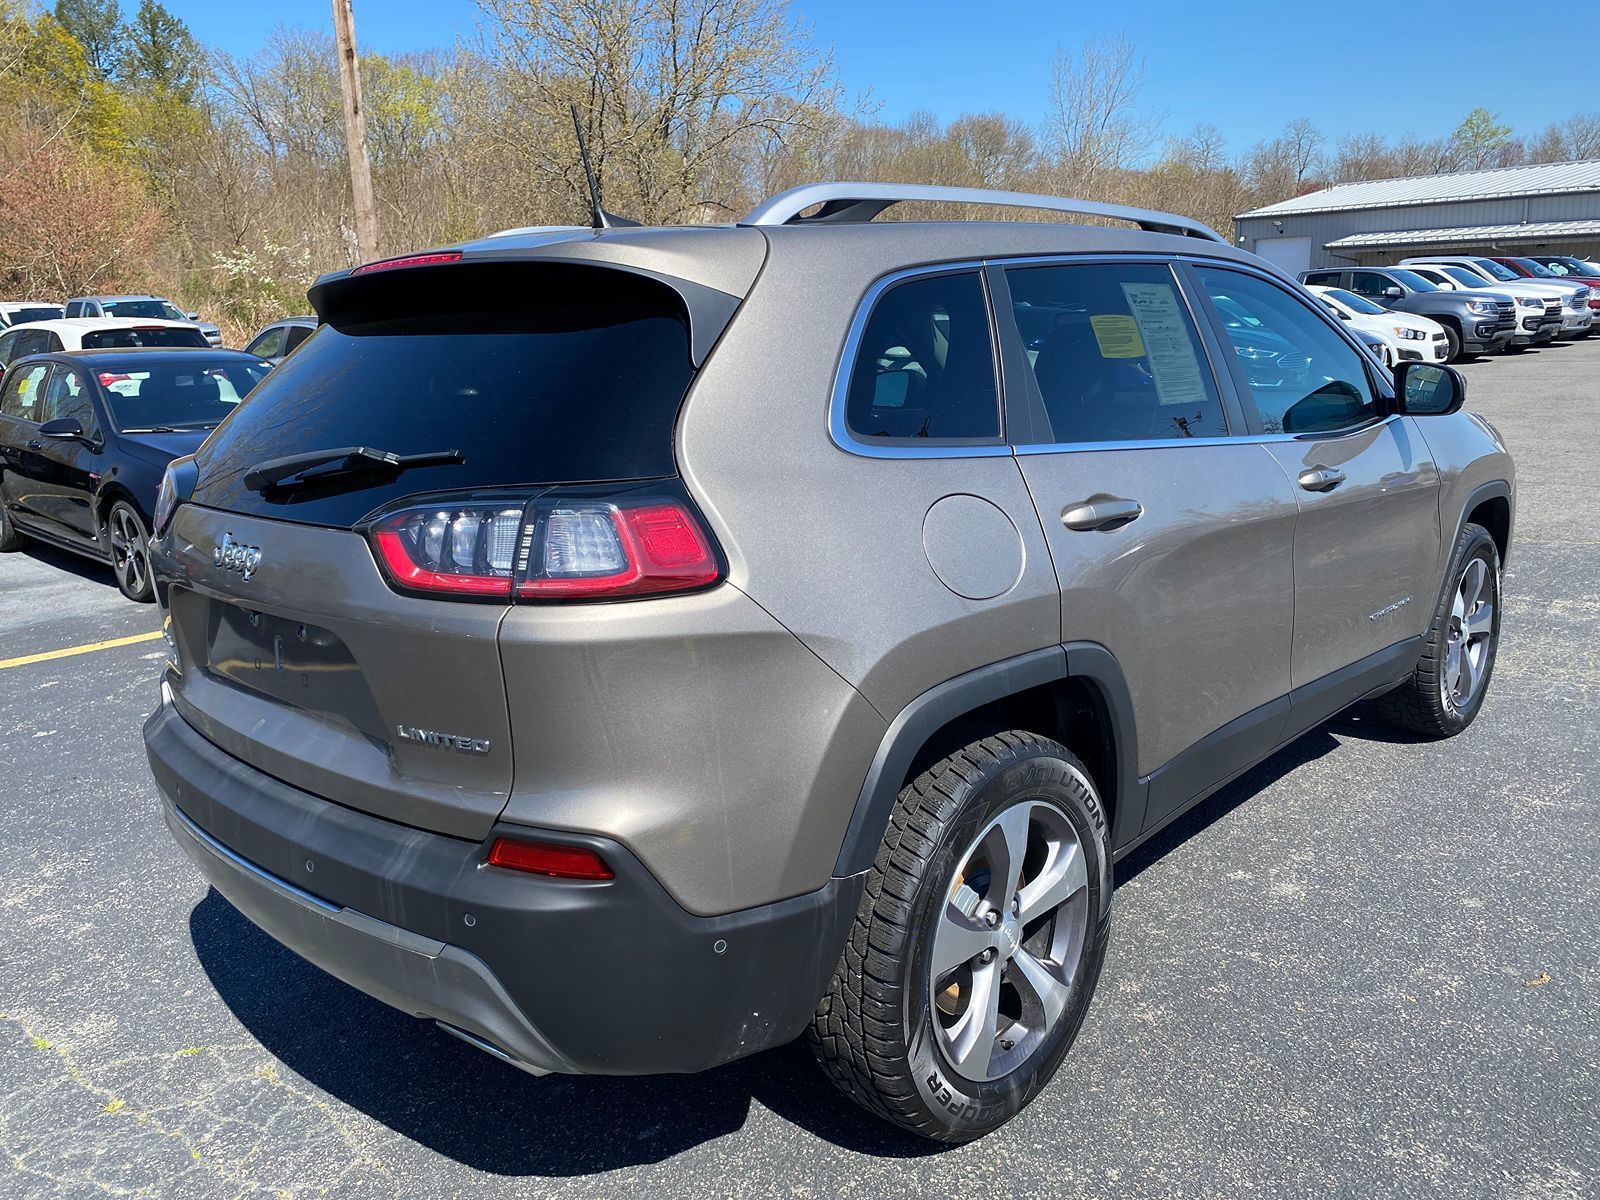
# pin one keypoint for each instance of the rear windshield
(535, 373)
(159, 310)
(21, 316)
(166, 396)
(128, 339)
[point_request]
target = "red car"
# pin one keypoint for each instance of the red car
(1559, 266)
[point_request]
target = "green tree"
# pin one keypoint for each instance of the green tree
(161, 52)
(1479, 140)
(97, 26)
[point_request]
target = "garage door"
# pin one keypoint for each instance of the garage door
(1292, 255)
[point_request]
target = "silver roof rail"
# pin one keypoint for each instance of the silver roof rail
(845, 203)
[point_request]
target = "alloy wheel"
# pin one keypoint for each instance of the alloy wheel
(1468, 635)
(128, 550)
(1008, 941)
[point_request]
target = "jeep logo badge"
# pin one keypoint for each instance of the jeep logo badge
(236, 556)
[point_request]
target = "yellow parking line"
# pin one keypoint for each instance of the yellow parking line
(71, 650)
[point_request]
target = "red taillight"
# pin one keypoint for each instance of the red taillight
(409, 260)
(551, 549)
(592, 551)
(466, 551)
(544, 858)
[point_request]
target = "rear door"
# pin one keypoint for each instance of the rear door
(1172, 537)
(1367, 544)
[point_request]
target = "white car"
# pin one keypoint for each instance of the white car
(17, 312)
(1571, 299)
(1538, 317)
(1405, 338)
(97, 333)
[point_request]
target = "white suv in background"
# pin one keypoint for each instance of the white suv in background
(96, 333)
(16, 312)
(1405, 338)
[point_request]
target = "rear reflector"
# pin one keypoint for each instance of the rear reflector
(410, 260)
(543, 858)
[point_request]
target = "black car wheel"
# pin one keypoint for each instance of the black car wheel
(1452, 341)
(10, 539)
(978, 942)
(130, 552)
(1445, 691)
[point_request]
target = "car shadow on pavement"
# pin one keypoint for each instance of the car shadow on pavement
(75, 564)
(459, 1102)
(491, 1117)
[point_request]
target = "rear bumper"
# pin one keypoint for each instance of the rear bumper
(552, 975)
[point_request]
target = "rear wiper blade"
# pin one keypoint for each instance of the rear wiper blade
(296, 470)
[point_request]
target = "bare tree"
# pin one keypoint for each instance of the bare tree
(1282, 167)
(1093, 126)
(676, 96)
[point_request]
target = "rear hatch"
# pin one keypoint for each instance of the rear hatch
(302, 655)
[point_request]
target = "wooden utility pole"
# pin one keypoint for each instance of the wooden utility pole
(355, 130)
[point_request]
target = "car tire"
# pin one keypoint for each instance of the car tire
(1445, 691)
(1452, 341)
(953, 1052)
(10, 539)
(129, 544)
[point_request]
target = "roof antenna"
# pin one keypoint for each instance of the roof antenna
(599, 217)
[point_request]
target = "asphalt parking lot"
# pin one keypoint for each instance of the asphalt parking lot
(1369, 967)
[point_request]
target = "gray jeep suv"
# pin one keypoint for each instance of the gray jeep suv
(632, 648)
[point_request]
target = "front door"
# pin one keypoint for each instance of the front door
(67, 469)
(1172, 540)
(21, 406)
(1366, 551)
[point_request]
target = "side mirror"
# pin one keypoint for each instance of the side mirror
(1429, 389)
(194, 316)
(1343, 316)
(1393, 293)
(61, 427)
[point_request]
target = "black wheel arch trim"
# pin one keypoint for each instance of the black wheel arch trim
(1495, 489)
(935, 708)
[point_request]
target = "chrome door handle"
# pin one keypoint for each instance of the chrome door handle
(1320, 479)
(1107, 512)
(35, 444)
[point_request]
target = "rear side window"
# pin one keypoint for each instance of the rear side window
(296, 334)
(1115, 353)
(268, 344)
(535, 372)
(128, 339)
(1327, 278)
(924, 367)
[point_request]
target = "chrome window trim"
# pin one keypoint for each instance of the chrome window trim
(1233, 440)
(838, 427)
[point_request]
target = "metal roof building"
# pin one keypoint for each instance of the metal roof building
(1540, 208)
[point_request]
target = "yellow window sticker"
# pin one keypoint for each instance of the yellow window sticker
(1117, 335)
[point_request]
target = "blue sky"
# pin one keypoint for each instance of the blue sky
(1247, 67)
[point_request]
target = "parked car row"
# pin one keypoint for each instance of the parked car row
(1475, 304)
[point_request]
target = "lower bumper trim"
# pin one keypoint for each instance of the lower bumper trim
(414, 974)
